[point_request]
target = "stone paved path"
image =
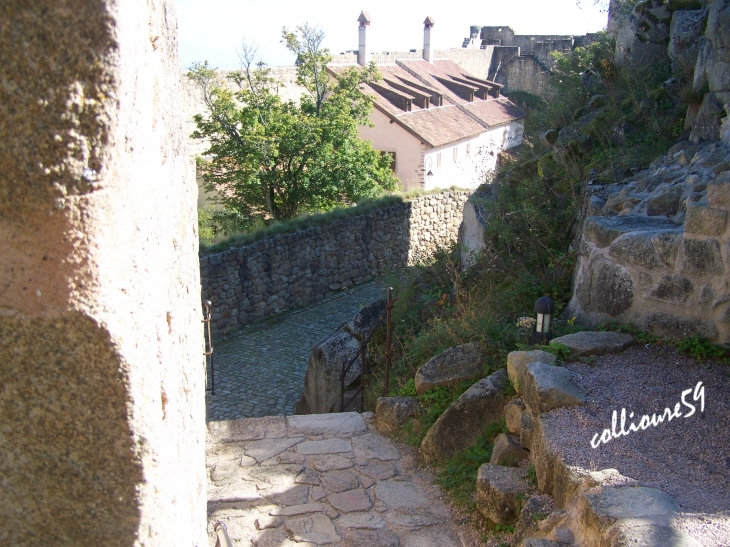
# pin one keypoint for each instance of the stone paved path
(260, 371)
(324, 479)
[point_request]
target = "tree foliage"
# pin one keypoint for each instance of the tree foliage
(275, 159)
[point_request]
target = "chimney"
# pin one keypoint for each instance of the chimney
(362, 49)
(427, 49)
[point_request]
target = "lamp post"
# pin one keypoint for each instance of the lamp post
(429, 173)
(544, 311)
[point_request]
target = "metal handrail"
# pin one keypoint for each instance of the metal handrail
(221, 531)
(209, 344)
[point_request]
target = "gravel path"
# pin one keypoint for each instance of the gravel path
(687, 457)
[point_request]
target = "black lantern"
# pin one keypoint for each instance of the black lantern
(544, 310)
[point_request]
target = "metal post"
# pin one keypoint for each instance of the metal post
(388, 340)
(209, 344)
(221, 532)
(363, 346)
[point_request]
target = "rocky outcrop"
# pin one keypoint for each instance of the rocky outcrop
(642, 38)
(466, 419)
(450, 368)
(322, 382)
(392, 413)
(546, 387)
(652, 254)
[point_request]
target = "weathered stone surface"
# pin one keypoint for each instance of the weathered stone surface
(671, 288)
(667, 324)
(471, 231)
(499, 492)
(665, 202)
(518, 360)
(706, 125)
(392, 413)
(268, 448)
(701, 256)
(650, 250)
(602, 507)
(430, 537)
(322, 382)
(296, 495)
(507, 451)
(372, 446)
(718, 69)
(595, 343)
(360, 520)
(339, 481)
(539, 542)
(547, 387)
(450, 368)
(317, 529)
(400, 495)
(605, 287)
(329, 425)
(246, 429)
(350, 501)
(527, 425)
(650, 535)
(379, 470)
(513, 415)
(326, 446)
(463, 422)
(684, 32)
(329, 462)
(296, 510)
(603, 230)
(706, 221)
(537, 508)
(643, 35)
(718, 193)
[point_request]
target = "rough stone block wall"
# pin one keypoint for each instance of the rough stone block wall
(655, 249)
(290, 270)
(102, 399)
(526, 74)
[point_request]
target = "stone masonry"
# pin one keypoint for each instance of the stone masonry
(102, 400)
(290, 270)
(325, 479)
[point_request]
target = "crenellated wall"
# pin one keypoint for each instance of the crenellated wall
(249, 283)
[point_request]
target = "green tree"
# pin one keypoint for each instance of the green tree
(275, 159)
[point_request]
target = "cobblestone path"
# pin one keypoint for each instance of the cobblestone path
(322, 479)
(260, 371)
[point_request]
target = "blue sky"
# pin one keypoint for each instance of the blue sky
(213, 29)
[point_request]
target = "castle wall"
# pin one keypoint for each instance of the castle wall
(102, 399)
(290, 270)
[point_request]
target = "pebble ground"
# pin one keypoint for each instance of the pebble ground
(260, 370)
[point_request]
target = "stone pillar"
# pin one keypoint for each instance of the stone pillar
(427, 45)
(102, 410)
(363, 58)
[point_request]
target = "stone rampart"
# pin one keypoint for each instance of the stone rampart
(289, 270)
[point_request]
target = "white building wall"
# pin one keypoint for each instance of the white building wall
(470, 170)
(391, 137)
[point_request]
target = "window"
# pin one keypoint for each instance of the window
(438, 160)
(468, 149)
(456, 151)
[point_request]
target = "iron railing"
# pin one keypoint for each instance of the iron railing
(208, 353)
(364, 337)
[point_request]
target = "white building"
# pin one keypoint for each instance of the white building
(443, 126)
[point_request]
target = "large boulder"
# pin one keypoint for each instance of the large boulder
(500, 492)
(547, 387)
(392, 413)
(466, 419)
(450, 368)
(586, 343)
(707, 125)
(513, 415)
(322, 382)
(605, 287)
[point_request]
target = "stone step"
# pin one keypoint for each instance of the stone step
(595, 343)
(518, 360)
(546, 387)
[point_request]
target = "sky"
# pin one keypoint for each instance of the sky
(213, 30)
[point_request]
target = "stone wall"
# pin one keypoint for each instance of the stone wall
(102, 400)
(286, 271)
(655, 249)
